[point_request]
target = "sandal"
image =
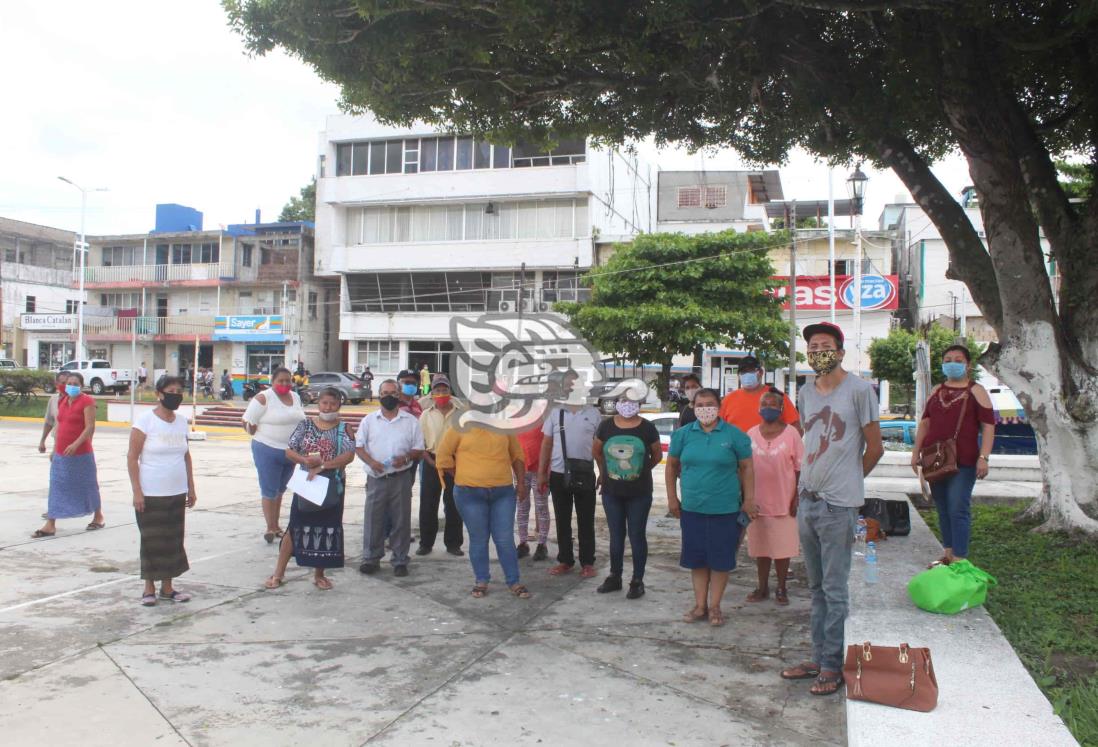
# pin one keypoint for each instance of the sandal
(781, 597)
(93, 526)
(39, 534)
(716, 617)
(694, 615)
(828, 685)
(758, 595)
(273, 582)
(480, 591)
(806, 670)
(520, 591)
(322, 583)
(588, 571)
(176, 596)
(148, 600)
(269, 537)
(940, 561)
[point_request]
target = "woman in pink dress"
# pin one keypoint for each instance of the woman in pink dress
(777, 451)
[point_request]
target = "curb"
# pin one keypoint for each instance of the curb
(115, 424)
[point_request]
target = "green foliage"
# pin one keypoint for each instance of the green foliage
(26, 380)
(893, 357)
(807, 222)
(1077, 179)
(302, 207)
(1044, 604)
(664, 294)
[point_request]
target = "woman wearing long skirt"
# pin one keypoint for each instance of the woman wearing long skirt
(74, 483)
(314, 536)
(159, 463)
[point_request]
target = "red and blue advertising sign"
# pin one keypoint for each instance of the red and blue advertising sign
(814, 292)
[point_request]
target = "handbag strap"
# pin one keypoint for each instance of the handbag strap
(564, 447)
(964, 408)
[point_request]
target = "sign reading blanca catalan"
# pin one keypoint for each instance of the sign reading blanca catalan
(879, 292)
(47, 321)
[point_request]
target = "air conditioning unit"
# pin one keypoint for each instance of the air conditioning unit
(506, 307)
(531, 306)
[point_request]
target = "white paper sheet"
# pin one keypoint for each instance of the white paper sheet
(313, 490)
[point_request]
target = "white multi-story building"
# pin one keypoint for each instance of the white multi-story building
(421, 225)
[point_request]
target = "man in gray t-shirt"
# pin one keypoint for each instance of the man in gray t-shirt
(580, 423)
(842, 444)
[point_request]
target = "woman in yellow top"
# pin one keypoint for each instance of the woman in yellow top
(485, 467)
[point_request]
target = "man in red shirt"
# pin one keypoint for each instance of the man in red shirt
(741, 407)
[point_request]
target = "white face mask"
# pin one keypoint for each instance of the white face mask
(706, 414)
(328, 417)
(690, 393)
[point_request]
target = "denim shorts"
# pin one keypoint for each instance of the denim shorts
(273, 468)
(709, 540)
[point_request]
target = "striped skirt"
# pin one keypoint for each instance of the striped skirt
(161, 527)
(74, 486)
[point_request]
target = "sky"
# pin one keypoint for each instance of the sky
(157, 101)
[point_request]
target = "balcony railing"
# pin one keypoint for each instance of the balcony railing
(156, 273)
(18, 271)
(123, 327)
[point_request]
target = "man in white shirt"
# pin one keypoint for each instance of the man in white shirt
(389, 442)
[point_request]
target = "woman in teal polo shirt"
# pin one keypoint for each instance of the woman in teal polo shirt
(712, 459)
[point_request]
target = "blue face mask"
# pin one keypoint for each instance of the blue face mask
(749, 380)
(770, 414)
(72, 390)
(409, 389)
(954, 370)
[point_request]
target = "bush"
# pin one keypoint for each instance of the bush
(26, 380)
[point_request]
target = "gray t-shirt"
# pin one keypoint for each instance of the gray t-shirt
(579, 429)
(833, 439)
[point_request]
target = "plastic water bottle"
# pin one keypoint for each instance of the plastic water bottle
(859, 536)
(872, 570)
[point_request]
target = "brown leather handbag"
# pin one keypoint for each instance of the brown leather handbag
(939, 461)
(900, 677)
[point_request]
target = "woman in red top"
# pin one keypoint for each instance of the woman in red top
(963, 407)
(531, 441)
(74, 484)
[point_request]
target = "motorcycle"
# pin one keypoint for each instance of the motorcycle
(226, 393)
(252, 388)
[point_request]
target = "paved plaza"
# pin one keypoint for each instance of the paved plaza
(412, 661)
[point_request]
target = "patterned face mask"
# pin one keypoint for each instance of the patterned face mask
(706, 414)
(628, 408)
(823, 361)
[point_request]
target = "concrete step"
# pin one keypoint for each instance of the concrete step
(1004, 467)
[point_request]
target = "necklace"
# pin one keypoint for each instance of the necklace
(953, 400)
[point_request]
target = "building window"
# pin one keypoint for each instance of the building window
(435, 354)
(716, 197)
(70, 306)
(848, 266)
(394, 157)
(568, 151)
(559, 285)
(382, 356)
(343, 159)
(360, 159)
(30, 304)
(246, 255)
(119, 256)
(689, 197)
(464, 153)
(120, 300)
(209, 253)
(181, 254)
(312, 305)
(244, 303)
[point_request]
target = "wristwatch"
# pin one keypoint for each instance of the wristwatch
(984, 458)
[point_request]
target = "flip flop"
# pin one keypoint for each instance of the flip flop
(806, 670)
(716, 617)
(781, 597)
(322, 583)
(176, 596)
(480, 591)
(93, 526)
(38, 534)
(273, 582)
(148, 600)
(269, 536)
(827, 685)
(520, 591)
(693, 615)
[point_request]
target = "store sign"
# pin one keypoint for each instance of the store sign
(66, 322)
(248, 328)
(814, 292)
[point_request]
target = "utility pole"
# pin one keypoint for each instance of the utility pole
(792, 299)
(83, 263)
(831, 239)
(964, 312)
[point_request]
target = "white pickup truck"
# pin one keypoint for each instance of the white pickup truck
(100, 376)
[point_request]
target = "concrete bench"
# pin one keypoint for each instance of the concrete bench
(986, 696)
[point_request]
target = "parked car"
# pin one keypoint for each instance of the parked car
(665, 423)
(350, 386)
(606, 404)
(7, 364)
(100, 376)
(899, 431)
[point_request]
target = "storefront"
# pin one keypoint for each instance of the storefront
(258, 346)
(49, 339)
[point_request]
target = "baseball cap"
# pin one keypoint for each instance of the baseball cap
(748, 363)
(406, 374)
(440, 378)
(826, 328)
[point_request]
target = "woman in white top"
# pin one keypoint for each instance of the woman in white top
(159, 464)
(271, 418)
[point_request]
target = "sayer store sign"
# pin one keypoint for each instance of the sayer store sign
(248, 328)
(879, 292)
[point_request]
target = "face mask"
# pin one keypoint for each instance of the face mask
(954, 370)
(707, 414)
(171, 400)
(61, 388)
(282, 389)
(390, 402)
(441, 400)
(770, 414)
(328, 417)
(749, 380)
(408, 389)
(690, 394)
(627, 408)
(824, 361)
(72, 390)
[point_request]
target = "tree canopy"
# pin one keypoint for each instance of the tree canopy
(893, 357)
(302, 206)
(665, 294)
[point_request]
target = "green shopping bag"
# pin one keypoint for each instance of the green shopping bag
(949, 589)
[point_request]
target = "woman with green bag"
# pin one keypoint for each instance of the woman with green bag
(949, 589)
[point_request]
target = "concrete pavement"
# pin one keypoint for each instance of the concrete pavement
(378, 659)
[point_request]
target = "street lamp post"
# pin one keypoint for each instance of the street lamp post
(83, 261)
(855, 187)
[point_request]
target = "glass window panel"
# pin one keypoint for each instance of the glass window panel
(569, 147)
(411, 156)
(437, 216)
(428, 153)
(455, 215)
(505, 221)
(540, 161)
(430, 288)
(377, 157)
(474, 222)
(526, 220)
(394, 156)
(583, 228)
(385, 225)
(396, 291)
(563, 227)
(343, 159)
(482, 155)
(464, 153)
(371, 225)
(546, 220)
(466, 290)
(402, 225)
(501, 157)
(361, 159)
(527, 150)
(446, 154)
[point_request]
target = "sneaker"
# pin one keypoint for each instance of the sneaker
(560, 569)
(523, 550)
(400, 571)
(421, 550)
(455, 551)
(636, 590)
(588, 571)
(541, 553)
(368, 567)
(612, 583)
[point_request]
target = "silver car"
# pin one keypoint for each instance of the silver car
(350, 386)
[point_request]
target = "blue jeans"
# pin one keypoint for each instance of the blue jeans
(827, 537)
(489, 512)
(953, 497)
(627, 515)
